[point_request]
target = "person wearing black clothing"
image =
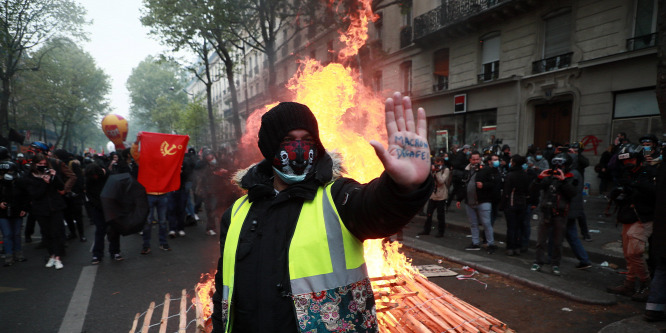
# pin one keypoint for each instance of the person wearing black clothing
(558, 187)
(635, 198)
(96, 177)
(11, 212)
(43, 190)
(514, 201)
(269, 247)
(74, 199)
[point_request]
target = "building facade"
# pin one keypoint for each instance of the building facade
(526, 71)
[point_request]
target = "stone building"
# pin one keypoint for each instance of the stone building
(526, 71)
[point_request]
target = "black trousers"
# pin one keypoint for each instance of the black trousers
(441, 218)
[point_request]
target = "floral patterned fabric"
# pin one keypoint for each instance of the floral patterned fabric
(349, 308)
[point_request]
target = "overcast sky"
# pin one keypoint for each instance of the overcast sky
(118, 42)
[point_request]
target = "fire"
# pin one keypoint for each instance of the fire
(349, 115)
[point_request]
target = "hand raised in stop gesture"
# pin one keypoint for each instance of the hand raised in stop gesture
(407, 159)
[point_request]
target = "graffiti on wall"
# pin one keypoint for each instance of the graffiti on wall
(590, 140)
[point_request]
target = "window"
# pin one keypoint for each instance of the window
(473, 128)
(558, 35)
(377, 81)
(636, 113)
(490, 54)
(379, 24)
(406, 78)
(557, 43)
(441, 74)
(645, 25)
(406, 29)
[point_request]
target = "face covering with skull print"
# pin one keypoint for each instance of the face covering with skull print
(294, 159)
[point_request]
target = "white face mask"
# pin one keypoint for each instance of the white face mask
(289, 179)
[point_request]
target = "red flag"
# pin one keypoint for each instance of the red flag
(160, 159)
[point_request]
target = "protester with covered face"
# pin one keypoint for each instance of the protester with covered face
(292, 252)
(558, 187)
(635, 197)
(12, 211)
(43, 189)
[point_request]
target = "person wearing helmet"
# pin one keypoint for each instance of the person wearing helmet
(651, 152)
(635, 197)
(558, 187)
(12, 211)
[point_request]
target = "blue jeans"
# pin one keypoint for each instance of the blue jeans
(657, 297)
(480, 214)
(160, 202)
(11, 232)
(574, 242)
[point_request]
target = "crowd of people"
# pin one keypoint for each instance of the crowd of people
(50, 188)
(546, 186)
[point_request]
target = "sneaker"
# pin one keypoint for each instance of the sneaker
(58, 264)
(146, 250)
(535, 268)
(95, 261)
(652, 315)
(165, 247)
(172, 234)
(50, 263)
(473, 247)
(211, 233)
(83, 239)
(181, 233)
(196, 217)
(8, 261)
(118, 257)
(587, 239)
(19, 257)
(582, 265)
(492, 249)
(556, 270)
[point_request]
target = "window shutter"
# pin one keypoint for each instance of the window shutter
(558, 35)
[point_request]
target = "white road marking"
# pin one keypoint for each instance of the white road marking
(78, 305)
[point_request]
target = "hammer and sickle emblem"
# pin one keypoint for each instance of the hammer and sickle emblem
(166, 150)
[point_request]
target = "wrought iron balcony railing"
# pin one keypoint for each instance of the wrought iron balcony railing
(552, 63)
(449, 13)
(488, 76)
(642, 42)
(442, 83)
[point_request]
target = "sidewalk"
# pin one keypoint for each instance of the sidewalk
(584, 286)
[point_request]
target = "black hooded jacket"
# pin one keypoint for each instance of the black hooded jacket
(374, 210)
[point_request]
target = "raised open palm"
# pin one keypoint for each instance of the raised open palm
(407, 159)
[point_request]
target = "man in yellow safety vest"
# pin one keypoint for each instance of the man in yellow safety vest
(291, 249)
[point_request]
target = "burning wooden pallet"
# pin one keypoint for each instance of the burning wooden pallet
(415, 304)
(404, 305)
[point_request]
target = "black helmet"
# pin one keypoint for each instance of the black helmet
(649, 138)
(628, 151)
(4, 153)
(39, 147)
(563, 160)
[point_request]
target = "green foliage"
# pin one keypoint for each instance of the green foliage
(25, 26)
(155, 92)
(67, 95)
(193, 121)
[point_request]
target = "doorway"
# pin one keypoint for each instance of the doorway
(552, 122)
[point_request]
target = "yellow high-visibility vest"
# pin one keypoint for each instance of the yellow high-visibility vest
(323, 254)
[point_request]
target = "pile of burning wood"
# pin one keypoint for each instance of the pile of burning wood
(414, 304)
(404, 304)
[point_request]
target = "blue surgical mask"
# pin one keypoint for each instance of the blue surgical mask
(289, 179)
(446, 158)
(525, 166)
(539, 157)
(496, 164)
(647, 148)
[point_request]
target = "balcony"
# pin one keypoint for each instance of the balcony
(405, 36)
(552, 63)
(642, 42)
(488, 76)
(450, 13)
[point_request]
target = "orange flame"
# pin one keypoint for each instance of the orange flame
(349, 115)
